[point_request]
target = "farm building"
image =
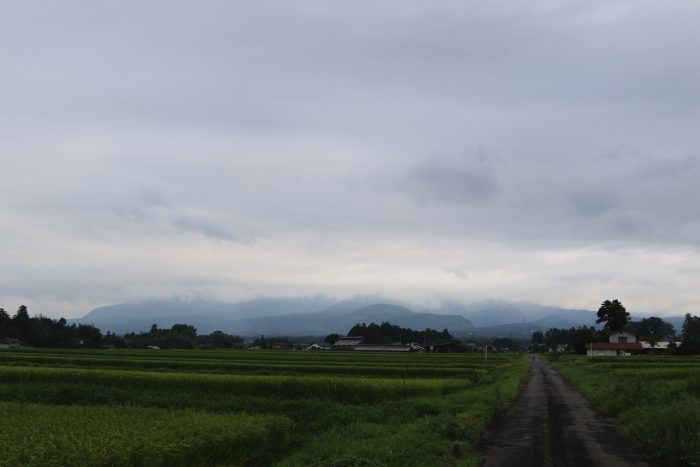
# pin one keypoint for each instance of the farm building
(662, 345)
(383, 348)
(357, 343)
(320, 346)
(620, 344)
(9, 342)
(348, 342)
(445, 347)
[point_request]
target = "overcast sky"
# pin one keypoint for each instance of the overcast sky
(546, 151)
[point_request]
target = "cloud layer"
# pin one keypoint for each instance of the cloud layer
(545, 152)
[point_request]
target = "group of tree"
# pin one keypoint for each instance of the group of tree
(180, 336)
(387, 333)
(652, 330)
(274, 342)
(691, 335)
(575, 338)
(40, 331)
(615, 318)
(506, 344)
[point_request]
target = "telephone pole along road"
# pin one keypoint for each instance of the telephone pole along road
(550, 423)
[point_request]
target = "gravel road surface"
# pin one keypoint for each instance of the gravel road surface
(551, 424)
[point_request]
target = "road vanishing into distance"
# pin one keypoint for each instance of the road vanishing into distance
(551, 423)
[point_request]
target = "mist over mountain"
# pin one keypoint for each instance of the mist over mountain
(319, 315)
(206, 316)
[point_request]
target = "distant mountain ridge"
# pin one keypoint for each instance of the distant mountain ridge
(274, 317)
(320, 315)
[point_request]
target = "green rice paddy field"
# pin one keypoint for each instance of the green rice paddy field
(248, 408)
(656, 398)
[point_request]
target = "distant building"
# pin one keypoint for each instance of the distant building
(383, 348)
(662, 345)
(9, 343)
(320, 346)
(348, 342)
(446, 347)
(620, 344)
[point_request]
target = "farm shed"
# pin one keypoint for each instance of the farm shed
(383, 348)
(9, 342)
(348, 342)
(662, 345)
(320, 346)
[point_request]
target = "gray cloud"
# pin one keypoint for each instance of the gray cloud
(203, 226)
(127, 126)
(452, 183)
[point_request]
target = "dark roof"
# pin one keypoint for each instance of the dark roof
(348, 341)
(383, 348)
(613, 346)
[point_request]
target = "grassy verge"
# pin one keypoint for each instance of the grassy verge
(656, 399)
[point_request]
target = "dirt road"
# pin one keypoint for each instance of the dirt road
(552, 424)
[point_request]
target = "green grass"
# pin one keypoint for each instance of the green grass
(331, 408)
(39, 435)
(657, 399)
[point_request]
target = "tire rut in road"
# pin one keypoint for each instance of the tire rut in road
(551, 423)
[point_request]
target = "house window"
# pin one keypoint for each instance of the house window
(622, 340)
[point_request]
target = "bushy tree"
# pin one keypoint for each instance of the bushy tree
(579, 337)
(614, 315)
(41, 331)
(219, 340)
(691, 334)
(387, 333)
(331, 338)
(575, 338)
(5, 322)
(653, 329)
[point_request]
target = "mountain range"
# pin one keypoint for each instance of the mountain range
(321, 315)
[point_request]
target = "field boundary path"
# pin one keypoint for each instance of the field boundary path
(551, 423)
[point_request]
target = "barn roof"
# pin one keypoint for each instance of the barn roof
(348, 341)
(383, 348)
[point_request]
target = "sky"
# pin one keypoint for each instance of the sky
(544, 151)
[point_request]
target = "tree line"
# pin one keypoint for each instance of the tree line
(387, 333)
(41, 331)
(615, 318)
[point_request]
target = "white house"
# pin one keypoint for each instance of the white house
(320, 346)
(620, 344)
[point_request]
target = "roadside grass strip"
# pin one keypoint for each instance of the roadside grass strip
(108, 436)
(656, 399)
